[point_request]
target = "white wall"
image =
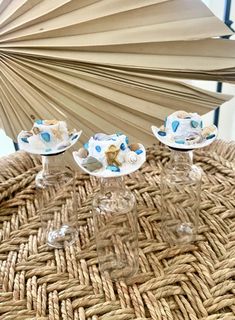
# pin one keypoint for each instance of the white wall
(227, 110)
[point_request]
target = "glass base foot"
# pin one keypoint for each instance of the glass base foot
(62, 237)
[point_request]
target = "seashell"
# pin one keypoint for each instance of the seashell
(45, 136)
(113, 168)
(193, 138)
(175, 125)
(194, 124)
(134, 146)
(28, 134)
(36, 130)
(92, 164)
(183, 115)
(208, 130)
(50, 122)
(82, 153)
(131, 157)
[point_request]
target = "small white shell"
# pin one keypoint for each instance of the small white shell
(131, 157)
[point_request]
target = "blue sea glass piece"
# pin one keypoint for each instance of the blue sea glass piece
(46, 136)
(175, 125)
(74, 137)
(113, 168)
(86, 145)
(24, 140)
(194, 124)
(39, 121)
(162, 133)
(139, 151)
(211, 136)
(123, 147)
(98, 148)
(180, 141)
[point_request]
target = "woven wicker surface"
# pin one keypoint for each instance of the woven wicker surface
(195, 281)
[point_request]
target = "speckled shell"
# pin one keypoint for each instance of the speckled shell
(134, 146)
(182, 114)
(36, 130)
(82, 153)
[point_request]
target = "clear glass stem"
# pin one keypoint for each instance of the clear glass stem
(115, 221)
(180, 198)
(45, 165)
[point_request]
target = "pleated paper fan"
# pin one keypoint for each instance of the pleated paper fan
(110, 65)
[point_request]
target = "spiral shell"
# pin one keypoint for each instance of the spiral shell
(131, 157)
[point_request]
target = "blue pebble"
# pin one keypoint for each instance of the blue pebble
(175, 125)
(211, 136)
(24, 140)
(45, 136)
(127, 140)
(113, 168)
(194, 124)
(39, 121)
(138, 151)
(162, 133)
(98, 148)
(123, 147)
(86, 145)
(74, 137)
(179, 141)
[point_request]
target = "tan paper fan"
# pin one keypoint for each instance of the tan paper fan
(108, 65)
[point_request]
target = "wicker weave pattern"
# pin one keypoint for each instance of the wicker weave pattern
(194, 281)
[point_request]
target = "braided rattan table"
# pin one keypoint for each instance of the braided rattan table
(195, 281)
